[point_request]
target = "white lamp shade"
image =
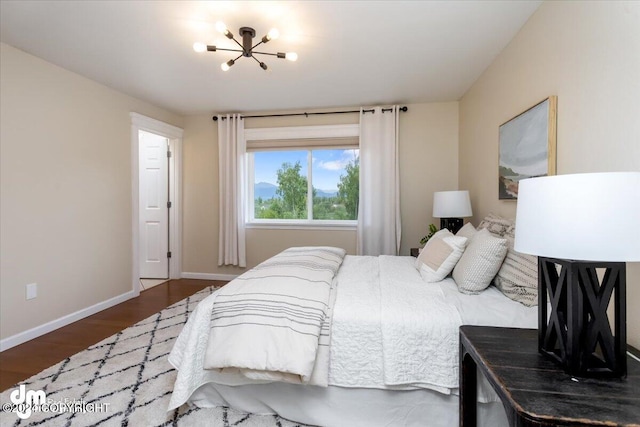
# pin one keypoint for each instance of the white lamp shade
(451, 204)
(584, 217)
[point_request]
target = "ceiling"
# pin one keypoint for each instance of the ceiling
(351, 53)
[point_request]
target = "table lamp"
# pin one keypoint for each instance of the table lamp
(578, 226)
(451, 207)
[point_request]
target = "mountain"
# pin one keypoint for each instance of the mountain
(268, 191)
(265, 190)
(322, 193)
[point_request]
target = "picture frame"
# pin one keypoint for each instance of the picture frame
(527, 147)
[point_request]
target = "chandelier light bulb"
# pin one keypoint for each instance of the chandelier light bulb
(273, 34)
(221, 27)
(226, 65)
(291, 56)
(199, 47)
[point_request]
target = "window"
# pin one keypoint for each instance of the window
(311, 181)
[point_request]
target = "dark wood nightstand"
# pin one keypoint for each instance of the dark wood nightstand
(534, 390)
(415, 252)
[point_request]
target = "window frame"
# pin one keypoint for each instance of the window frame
(297, 138)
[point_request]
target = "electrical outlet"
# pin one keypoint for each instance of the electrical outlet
(32, 290)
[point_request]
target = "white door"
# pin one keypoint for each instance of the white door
(154, 209)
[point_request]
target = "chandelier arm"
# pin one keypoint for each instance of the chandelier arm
(265, 53)
(230, 50)
(260, 63)
(239, 44)
(256, 45)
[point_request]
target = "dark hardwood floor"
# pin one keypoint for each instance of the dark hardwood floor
(25, 360)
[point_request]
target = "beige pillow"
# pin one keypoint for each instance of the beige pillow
(438, 235)
(440, 256)
(480, 262)
(496, 224)
(518, 275)
(467, 230)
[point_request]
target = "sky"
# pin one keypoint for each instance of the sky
(328, 165)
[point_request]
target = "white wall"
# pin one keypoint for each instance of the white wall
(65, 211)
(588, 54)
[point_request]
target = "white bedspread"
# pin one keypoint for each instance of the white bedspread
(391, 330)
(358, 357)
(419, 330)
(367, 352)
(356, 338)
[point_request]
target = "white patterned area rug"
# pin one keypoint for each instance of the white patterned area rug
(124, 380)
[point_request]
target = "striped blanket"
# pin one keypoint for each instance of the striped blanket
(272, 323)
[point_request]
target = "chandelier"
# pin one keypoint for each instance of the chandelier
(247, 34)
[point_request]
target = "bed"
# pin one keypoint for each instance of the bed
(381, 369)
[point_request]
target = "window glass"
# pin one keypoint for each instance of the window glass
(335, 175)
(280, 184)
(283, 179)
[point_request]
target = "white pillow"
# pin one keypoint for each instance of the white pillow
(480, 262)
(439, 256)
(467, 230)
(441, 234)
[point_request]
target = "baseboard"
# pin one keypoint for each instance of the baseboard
(32, 333)
(209, 276)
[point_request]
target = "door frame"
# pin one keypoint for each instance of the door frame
(174, 136)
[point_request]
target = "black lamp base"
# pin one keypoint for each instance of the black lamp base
(578, 335)
(452, 224)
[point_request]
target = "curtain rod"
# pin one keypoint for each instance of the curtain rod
(403, 109)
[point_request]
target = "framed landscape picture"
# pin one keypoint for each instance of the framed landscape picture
(527, 147)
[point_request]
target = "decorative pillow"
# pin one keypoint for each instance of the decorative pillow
(440, 234)
(480, 262)
(518, 276)
(440, 256)
(496, 224)
(467, 230)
